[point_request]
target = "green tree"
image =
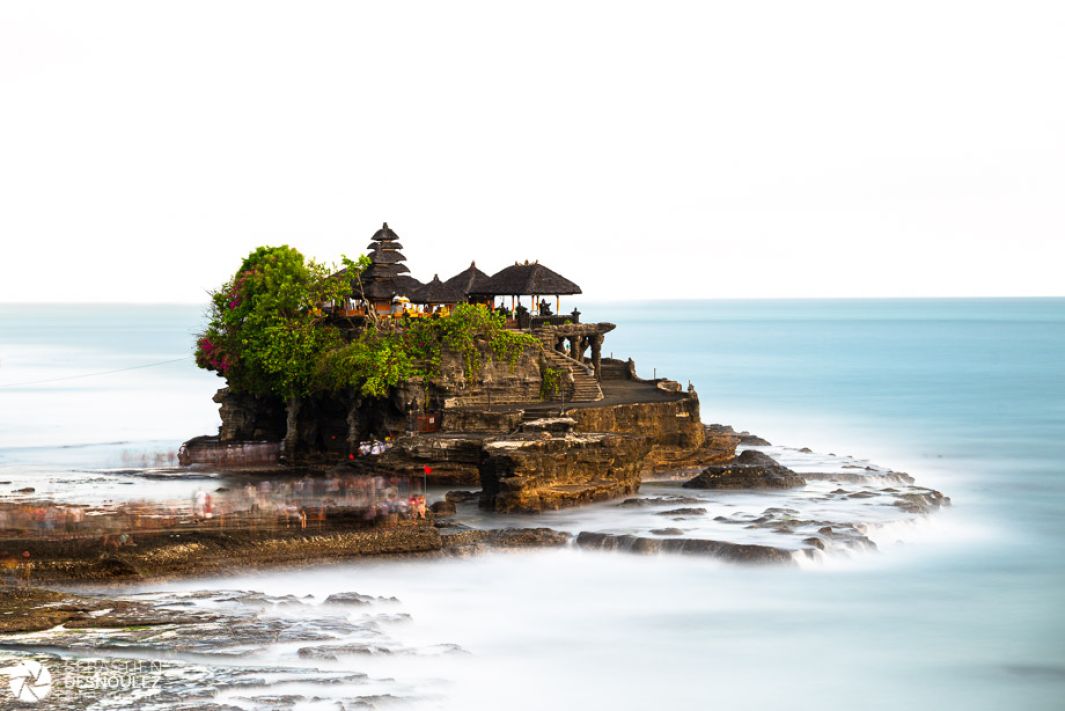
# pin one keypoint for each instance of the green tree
(266, 328)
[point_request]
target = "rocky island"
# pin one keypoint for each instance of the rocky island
(366, 415)
(355, 398)
(518, 401)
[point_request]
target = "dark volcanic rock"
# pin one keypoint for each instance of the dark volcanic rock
(922, 501)
(733, 552)
(354, 598)
(751, 470)
(686, 511)
(654, 501)
(814, 542)
(458, 497)
(443, 508)
(744, 438)
(468, 541)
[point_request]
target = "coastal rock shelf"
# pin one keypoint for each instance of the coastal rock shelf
(843, 506)
(217, 649)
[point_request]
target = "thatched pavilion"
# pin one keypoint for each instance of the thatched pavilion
(438, 293)
(468, 281)
(529, 279)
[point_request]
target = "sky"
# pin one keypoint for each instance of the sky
(748, 149)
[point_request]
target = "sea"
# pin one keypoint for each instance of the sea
(964, 609)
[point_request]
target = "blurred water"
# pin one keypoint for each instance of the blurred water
(966, 395)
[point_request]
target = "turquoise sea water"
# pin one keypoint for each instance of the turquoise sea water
(966, 395)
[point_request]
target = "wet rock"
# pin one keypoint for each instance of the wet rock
(733, 552)
(806, 450)
(814, 542)
(874, 476)
(527, 538)
(334, 652)
(354, 598)
(655, 501)
(744, 438)
(459, 497)
(667, 531)
(922, 501)
(25, 490)
(443, 508)
(35, 609)
(689, 511)
(450, 523)
(750, 470)
(470, 541)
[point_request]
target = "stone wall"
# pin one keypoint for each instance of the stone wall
(476, 420)
(496, 382)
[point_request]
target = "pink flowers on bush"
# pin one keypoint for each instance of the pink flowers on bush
(209, 355)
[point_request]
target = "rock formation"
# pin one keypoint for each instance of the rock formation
(751, 470)
(533, 472)
(492, 429)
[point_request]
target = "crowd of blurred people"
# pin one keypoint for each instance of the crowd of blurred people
(256, 502)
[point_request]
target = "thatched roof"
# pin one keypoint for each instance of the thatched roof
(386, 256)
(469, 279)
(437, 292)
(407, 285)
(387, 274)
(525, 279)
(385, 234)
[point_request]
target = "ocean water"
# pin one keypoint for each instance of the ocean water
(963, 609)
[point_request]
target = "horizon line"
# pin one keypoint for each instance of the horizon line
(603, 300)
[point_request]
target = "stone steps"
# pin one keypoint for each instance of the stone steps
(583, 387)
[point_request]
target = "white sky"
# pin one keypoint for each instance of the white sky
(711, 149)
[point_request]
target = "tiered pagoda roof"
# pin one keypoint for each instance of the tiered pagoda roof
(387, 275)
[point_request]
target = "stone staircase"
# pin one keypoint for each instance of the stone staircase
(578, 379)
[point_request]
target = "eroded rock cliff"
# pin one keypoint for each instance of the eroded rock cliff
(538, 471)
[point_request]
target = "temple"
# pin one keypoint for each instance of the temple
(553, 424)
(386, 290)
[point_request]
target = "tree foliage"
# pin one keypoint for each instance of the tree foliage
(382, 358)
(266, 329)
(267, 333)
